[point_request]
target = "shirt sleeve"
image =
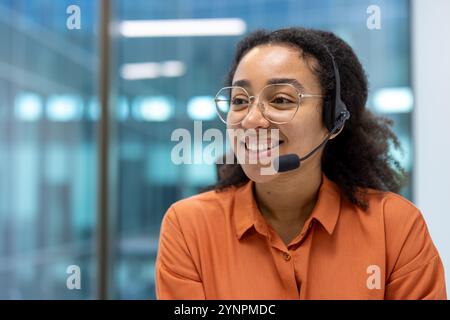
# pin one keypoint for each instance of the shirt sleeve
(176, 276)
(418, 272)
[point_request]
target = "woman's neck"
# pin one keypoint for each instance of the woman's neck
(291, 197)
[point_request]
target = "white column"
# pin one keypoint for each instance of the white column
(431, 119)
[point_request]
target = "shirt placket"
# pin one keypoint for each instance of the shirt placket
(291, 260)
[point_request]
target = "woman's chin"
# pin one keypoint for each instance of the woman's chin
(258, 173)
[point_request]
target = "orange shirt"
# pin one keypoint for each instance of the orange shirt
(217, 245)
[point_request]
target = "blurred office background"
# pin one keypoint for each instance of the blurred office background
(159, 81)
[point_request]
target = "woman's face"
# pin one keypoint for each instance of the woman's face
(304, 132)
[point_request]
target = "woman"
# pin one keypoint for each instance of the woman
(330, 228)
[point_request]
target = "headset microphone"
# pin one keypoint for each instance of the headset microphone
(340, 114)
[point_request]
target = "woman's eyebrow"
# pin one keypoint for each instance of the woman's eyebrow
(242, 83)
(246, 84)
(292, 81)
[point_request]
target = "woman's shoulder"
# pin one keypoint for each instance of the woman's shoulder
(208, 205)
(409, 246)
(405, 227)
(387, 212)
(205, 200)
(394, 207)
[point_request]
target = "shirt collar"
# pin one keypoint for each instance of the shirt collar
(247, 214)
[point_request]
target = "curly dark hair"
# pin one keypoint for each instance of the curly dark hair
(358, 158)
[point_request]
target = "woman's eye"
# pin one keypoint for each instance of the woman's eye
(281, 100)
(239, 101)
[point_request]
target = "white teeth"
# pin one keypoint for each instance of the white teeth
(262, 146)
(253, 147)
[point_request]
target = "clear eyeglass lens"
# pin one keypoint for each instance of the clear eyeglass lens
(278, 103)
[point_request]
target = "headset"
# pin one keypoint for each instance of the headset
(334, 121)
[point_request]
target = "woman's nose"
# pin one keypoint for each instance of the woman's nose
(255, 117)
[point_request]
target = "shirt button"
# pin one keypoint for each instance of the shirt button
(286, 256)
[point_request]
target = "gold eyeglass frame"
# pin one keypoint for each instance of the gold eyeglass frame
(261, 104)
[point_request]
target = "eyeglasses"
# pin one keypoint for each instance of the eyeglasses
(278, 103)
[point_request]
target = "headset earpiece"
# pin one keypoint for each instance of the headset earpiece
(340, 121)
(339, 113)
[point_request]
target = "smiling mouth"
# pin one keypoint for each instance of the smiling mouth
(262, 147)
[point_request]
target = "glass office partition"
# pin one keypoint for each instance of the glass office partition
(48, 148)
